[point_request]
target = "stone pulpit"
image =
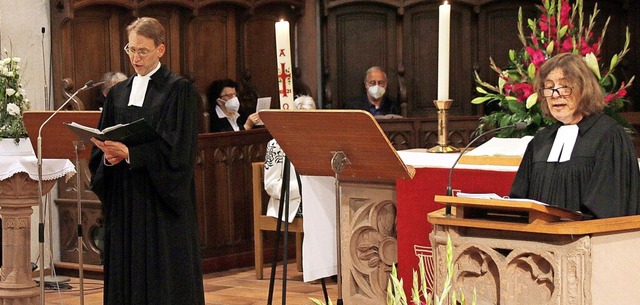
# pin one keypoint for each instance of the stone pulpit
(515, 252)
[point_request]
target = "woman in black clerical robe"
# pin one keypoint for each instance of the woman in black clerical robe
(586, 161)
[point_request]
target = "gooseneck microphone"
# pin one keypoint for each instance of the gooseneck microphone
(516, 126)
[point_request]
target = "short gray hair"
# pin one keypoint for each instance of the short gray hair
(304, 102)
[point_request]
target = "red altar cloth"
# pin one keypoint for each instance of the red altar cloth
(415, 200)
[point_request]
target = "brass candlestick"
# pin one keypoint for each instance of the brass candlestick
(443, 144)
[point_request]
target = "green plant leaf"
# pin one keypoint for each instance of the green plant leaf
(481, 90)
(480, 100)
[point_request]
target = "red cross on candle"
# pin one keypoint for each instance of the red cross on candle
(283, 77)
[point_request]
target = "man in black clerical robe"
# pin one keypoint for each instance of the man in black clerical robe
(147, 191)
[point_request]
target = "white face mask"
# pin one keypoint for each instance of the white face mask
(232, 105)
(376, 91)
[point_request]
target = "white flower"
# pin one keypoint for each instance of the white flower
(8, 73)
(10, 91)
(16, 59)
(13, 109)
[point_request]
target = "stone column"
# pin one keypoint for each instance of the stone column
(18, 194)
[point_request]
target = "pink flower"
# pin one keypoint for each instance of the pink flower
(536, 55)
(567, 45)
(565, 9)
(614, 96)
(585, 48)
(534, 40)
(522, 91)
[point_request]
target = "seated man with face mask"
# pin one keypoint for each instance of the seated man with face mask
(375, 101)
(224, 108)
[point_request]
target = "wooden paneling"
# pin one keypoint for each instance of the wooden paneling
(224, 197)
(212, 56)
(420, 48)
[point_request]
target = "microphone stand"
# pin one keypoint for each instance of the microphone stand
(88, 85)
(52, 278)
(517, 126)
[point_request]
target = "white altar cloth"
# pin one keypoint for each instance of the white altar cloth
(52, 169)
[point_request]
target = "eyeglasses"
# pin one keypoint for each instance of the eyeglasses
(376, 82)
(561, 91)
(142, 53)
(228, 96)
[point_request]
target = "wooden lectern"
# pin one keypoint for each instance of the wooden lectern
(515, 252)
(57, 138)
(351, 146)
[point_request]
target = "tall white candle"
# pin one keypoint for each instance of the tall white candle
(444, 34)
(283, 55)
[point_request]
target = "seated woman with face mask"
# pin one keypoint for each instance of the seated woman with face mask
(224, 108)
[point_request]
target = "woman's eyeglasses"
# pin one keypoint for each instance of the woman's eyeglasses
(561, 91)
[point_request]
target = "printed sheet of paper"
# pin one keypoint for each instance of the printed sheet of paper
(262, 104)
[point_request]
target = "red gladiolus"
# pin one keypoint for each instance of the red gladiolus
(536, 55)
(614, 96)
(565, 9)
(522, 91)
(534, 40)
(567, 45)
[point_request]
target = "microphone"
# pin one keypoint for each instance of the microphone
(516, 126)
(44, 70)
(89, 85)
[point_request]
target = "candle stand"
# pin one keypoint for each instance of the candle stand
(443, 144)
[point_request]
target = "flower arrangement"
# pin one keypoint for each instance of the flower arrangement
(560, 29)
(13, 101)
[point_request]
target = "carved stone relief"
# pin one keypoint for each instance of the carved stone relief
(516, 270)
(369, 241)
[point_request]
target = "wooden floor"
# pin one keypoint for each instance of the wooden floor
(234, 287)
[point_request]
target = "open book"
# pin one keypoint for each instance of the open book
(130, 134)
(495, 196)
